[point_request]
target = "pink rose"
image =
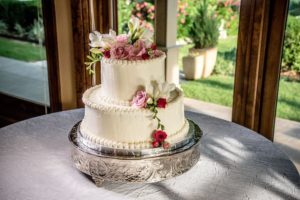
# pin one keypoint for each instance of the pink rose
(157, 53)
(122, 38)
(137, 50)
(140, 99)
(119, 51)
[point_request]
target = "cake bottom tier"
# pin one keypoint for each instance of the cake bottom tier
(121, 126)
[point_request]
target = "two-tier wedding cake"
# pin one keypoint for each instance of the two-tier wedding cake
(134, 107)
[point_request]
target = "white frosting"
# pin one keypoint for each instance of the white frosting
(115, 124)
(122, 78)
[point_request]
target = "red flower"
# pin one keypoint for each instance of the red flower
(145, 56)
(159, 136)
(153, 46)
(155, 144)
(106, 54)
(161, 103)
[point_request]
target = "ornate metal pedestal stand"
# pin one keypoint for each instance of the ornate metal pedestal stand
(146, 166)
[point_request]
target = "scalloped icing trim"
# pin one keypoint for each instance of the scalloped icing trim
(173, 138)
(107, 104)
(132, 62)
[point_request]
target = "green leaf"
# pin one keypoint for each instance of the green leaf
(89, 57)
(95, 51)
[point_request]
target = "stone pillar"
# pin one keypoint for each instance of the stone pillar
(165, 36)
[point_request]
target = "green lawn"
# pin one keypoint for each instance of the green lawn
(219, 90)
(228, 44)
(21, 50)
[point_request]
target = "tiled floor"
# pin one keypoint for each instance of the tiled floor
(24, 80)
(287, 133)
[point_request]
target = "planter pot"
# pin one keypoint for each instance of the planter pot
(193, 66)
(200, 63)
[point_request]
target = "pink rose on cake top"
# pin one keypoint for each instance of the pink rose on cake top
(137, 44)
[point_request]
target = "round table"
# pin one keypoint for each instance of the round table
(235, 163)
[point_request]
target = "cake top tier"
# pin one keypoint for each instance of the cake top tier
(120, 79)
(137, 44)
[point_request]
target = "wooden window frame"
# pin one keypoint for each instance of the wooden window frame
(257, 75)
(89, 15)
(48, 8)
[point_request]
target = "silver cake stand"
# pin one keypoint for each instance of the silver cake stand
(128, 166)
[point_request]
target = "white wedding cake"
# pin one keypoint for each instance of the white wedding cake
(133, 108)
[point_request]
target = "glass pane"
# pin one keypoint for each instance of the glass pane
(23, 67)
(207, 34)
(287, 127)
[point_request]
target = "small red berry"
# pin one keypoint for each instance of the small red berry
(155, 144)
(161, 103)
(166, 145)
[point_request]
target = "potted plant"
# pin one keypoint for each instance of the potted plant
(204, 33)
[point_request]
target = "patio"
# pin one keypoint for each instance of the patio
(24, 80)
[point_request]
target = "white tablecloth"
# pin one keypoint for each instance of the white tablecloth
(235, 163)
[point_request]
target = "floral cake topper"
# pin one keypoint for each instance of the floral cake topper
(156, 96)
(137, 44)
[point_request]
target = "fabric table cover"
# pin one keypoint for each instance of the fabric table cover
(235, 163)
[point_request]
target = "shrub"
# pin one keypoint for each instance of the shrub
(228, 12)
(294, 8)
(36, 32)
(142, 9)
(20, 31)
(291, 50)
(186, 10)
(19, 17)
(224, 67)
(204, 31)
(3, 27)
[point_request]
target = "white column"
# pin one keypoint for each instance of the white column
(165, 36)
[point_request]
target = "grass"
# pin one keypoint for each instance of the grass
(228, 44)
(20, 50)
(215, 89)
(219, 90)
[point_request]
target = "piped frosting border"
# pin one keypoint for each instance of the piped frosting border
(172, 138)
(107, 104)
(132, 62)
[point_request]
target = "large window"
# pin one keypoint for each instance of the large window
(23, 69)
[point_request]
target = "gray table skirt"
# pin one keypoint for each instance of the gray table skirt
(235, 163)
